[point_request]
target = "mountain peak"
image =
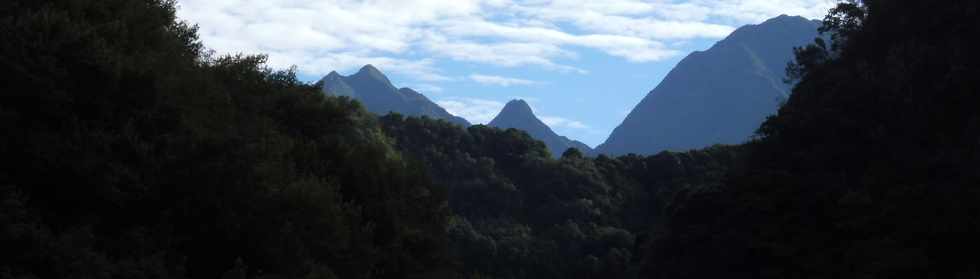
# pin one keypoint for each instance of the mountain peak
(373, 89)
(369, 72)
(517, 107)
(334, 84)
(369, 69)
(785, 18)
(333, 75)
(517, 114)
(371, 79)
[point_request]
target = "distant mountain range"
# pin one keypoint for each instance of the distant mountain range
(717, 96)
(721, 95)
(373, 89)
(517, 114)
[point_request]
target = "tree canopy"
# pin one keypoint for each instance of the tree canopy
(868, 171)
(129, 151)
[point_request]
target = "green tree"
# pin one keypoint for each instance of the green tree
(129, 151)
(866, 172)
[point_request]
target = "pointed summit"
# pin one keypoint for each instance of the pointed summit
(517, 114)
(369, 69)
(369, 72)
(334, 84)
(517, 107)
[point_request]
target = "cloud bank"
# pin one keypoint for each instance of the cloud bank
(323, 35)
(500, 81)
(476, 110)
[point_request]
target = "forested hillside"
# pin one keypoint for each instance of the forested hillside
(130, 152)
(868, 171)
(518, 213)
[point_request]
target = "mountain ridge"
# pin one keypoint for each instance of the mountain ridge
(717, 96)
(375, 91)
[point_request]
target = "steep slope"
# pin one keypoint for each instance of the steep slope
(517, 114)
(717, 96)
(373, 89)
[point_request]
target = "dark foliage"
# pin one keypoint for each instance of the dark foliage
(868, 171)
(521, 214)
(129, 152)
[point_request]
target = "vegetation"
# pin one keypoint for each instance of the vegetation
(521, 214)
(868, 171)
(130, 151)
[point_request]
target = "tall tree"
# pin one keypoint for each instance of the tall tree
(131, 152)
(867, 171)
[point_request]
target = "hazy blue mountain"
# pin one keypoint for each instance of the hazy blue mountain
(517, 114)
(721, 95)
(373, 89)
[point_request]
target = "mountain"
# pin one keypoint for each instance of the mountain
(517, 114)
(718, 96)
(373, 89)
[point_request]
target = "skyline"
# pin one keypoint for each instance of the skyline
(582, 66)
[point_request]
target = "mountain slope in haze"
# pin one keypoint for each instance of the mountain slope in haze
(517, 114)
(718, 96)
(373, 89)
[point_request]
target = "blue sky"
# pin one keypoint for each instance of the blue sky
(582, 65)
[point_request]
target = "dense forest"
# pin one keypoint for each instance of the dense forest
(130, 150)
(870, 170)
(519, 213)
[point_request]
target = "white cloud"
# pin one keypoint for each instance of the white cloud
(754, 11)
(426, 88)
(560, 122)
(319, 36)
(500, 81)
(477, 111)
(506, 54)
(630, 18)
(323, 35)
(633, 48)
